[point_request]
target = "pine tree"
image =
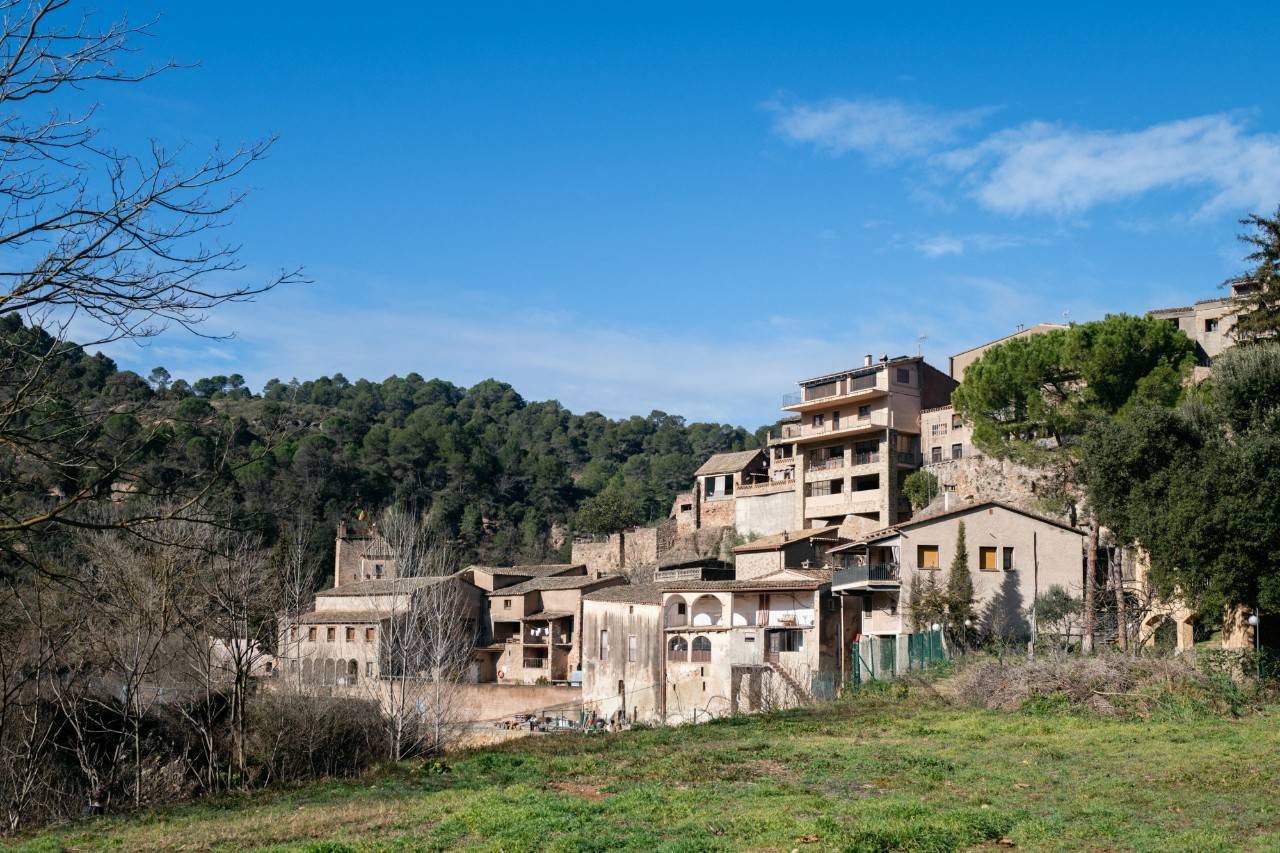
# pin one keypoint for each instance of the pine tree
(1257, 292)
(960, 583)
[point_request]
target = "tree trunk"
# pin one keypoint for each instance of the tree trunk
(1090, 582)
(1122, 621)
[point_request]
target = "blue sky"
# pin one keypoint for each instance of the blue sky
(690, 206)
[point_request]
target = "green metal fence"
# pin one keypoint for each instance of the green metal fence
(877, 659)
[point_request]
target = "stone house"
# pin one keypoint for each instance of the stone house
(747, 645)
(1014, 556)
(711, 503)
(789, 549)
(340, 642)
(361, 554)
(535, 634)
(622, 669)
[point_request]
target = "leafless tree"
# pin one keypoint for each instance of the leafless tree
(427, 638)
(122, 244)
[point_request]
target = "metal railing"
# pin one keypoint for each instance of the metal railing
(887, 573)
(535, 663)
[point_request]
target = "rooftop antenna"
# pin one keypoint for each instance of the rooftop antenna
(1066, 317)
(920, 344)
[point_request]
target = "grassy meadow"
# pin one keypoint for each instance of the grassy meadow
(873, 773)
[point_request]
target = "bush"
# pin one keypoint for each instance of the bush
(1111, 685)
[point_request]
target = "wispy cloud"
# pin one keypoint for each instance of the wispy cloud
(942, 245)
(881, 129)
(1043, 167)
(1046, 168)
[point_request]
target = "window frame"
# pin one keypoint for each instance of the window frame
(925, 551)
(983, 552)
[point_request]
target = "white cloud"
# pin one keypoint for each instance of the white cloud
(1046, 168)
(879, 128)
(940, 246)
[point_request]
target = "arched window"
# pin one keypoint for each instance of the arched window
(353, 672)
(701, 650)
(308, 672)
(329, 674)
(677, 613)
(706, 611)
(678, 649)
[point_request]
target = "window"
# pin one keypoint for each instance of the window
(331, 634)
(506, 604)
(1211, 325)
(677, 649)
(680, 608)
(686, 507)
(835, 420)
(957, 451)
(819, 420)
(935, 454)
(368, 668)
(293, 632)
(604, 644)
(311, 634)
(869, 483)
(927, 556)
(377, 570)
(351, 634)
(864, 412)
(632, 648)
(1007, 559)
(956, 422)
(824, 488)
(701, 650)
(370, 634)
(866, 604)
(790, 640)
(904, 375)
(938, 429)
(987, 559)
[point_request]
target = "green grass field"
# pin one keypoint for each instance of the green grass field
(863, 775)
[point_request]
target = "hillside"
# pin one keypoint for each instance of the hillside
(868, 774)
(494, 472)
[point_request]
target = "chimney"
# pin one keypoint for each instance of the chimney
(866, 360)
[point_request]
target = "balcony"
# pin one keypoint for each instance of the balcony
(829, 464)
(869, 577)
(847, 426)
(535, 663)
(837, 390)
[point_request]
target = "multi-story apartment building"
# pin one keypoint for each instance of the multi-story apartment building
(1209, 323)
(855, 438)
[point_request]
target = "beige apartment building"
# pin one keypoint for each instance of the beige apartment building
(622, 670)
(854, 437)
(1209, 323)
(1014, 556)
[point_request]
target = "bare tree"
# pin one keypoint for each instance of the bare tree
(122, 244)
(427, 638)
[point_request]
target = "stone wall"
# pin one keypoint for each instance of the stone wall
(719, 513)
(484, 702)
(978, 478)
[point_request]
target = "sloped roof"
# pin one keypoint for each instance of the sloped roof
(964, 509)
(628, 593)
(541, 584)
(781, 540)
(727, 463)
(810, 579)
(384, 586)
(539, 570)
(336, 617)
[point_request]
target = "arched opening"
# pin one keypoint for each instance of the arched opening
(701, 650)
(678, 649)
(329, 672)
(308, 672)
(706, 612)
(677, 612)
(353, 672)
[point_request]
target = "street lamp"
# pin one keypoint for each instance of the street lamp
(968, 623)
(1253, 621)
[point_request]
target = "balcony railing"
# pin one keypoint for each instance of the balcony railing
(866, 458)
(877, 574)
(834, 390)
(700, 656)
(535, 663)
(827, 464)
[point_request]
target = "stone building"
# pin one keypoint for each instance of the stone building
(749, 645)
(856, 439)
(622, 669)
(340, 642)
(1014, 556)
(361, 554)
(790, 549)
(1209, 323)
(535, 632)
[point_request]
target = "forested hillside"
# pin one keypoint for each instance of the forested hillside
(490, 469)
